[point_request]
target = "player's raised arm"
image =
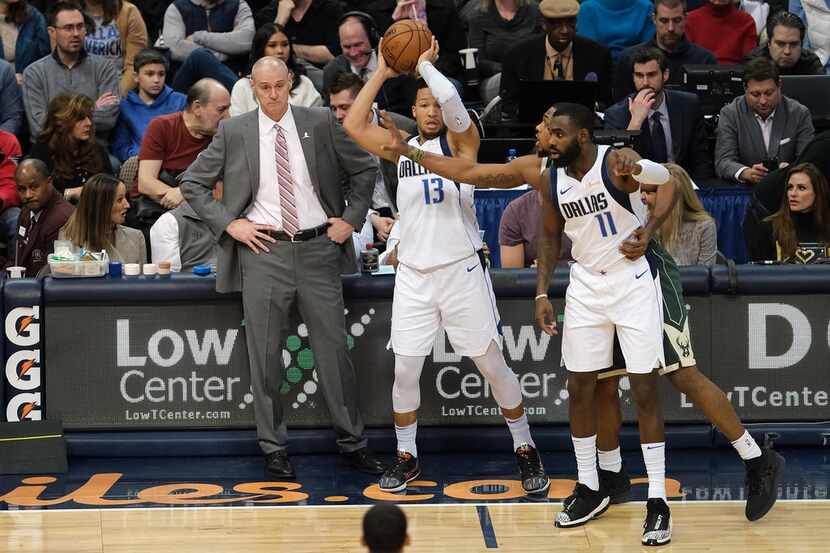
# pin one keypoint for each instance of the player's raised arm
(548, 248)
(358, 122)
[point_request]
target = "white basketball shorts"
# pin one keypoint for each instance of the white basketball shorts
(458, 297)
(627, 298)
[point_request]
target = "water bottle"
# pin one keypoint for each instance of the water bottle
(369, 259)
(511, 154)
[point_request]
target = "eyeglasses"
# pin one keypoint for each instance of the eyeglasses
(78, 27)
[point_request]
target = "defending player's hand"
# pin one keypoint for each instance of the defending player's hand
(430, 55)
(546, 317)
(625, 162)
(395, 144)
(635, 245)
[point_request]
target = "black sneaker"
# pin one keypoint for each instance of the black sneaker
(617, 484)
(404, 469)
(763, 474)
(534, 479)
(657, 527)
(581, 507)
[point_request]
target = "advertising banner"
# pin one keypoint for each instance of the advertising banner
(185, 366)
(23, 330)
(773, 355)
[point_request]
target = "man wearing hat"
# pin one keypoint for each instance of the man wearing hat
(556, 54)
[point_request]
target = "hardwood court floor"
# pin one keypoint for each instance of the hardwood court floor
(800, 526)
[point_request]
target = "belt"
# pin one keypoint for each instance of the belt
(300, 235)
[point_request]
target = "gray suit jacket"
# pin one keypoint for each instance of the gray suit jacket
(741, 144)
(233, 156)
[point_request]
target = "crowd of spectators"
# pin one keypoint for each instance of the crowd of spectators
(126, 94)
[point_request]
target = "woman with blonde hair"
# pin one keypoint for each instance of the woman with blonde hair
(67, 144)
(98, 222)
(689, 233)
(804, 215)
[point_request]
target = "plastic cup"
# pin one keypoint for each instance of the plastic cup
(16, 271)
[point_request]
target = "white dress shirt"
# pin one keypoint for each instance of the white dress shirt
(164, 241)
(266, 207)
(371, 66)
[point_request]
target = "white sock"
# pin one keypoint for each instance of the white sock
(746, 447)
(610, 460)
(654, 456)
(586, 460)
(406, 438)
(520, 430)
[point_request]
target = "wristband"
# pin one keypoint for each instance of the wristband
(540, 296)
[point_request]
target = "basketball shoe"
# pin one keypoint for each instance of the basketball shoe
(657, 527)
(583, 505)
(617, 484)
(404, 469)
(763, 474)
(534, 479)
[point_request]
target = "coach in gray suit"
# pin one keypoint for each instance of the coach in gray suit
(284, 233)
(762, 125)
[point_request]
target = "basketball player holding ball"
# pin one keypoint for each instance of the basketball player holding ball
(441, 280)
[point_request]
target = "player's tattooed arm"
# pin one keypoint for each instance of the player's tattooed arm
(549, 245)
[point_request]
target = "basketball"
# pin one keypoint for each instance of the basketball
(403, 44)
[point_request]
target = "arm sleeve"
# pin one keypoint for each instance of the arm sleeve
(164, 241)
(173, 34)
(152, 145)
(106, 77)
(34, 99)
(238, 41)
(727, 157)
(708, 243)
(805, 131)
(452, 108)
(122, 144)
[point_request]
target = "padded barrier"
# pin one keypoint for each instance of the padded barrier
(772, 279)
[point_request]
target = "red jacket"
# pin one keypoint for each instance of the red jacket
(10, 153)
(726, 31)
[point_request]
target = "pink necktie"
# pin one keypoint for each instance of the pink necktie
(288, 204)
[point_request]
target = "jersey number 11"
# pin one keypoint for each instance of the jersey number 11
(602, 228)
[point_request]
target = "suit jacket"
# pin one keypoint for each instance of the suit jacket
(396, 94)
(526, 61)
(32, 251)
(741, 144)
(233, 155)
(687, 132)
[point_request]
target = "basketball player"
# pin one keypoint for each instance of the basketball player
(590, 194)
(441, 279)
(764, 467)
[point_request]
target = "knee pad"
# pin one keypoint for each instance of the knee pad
(406, 391)
(502, 379)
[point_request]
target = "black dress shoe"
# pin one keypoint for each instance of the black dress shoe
(365, 461)
(277, 464)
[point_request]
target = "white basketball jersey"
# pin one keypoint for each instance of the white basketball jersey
(438, 222)
(598, 216)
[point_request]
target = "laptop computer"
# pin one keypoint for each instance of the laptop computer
(536, 97)
(811, 90)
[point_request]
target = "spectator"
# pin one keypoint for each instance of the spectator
(670, 37)
(172, 142)
(384, 529)
(150, 98)
(494, 27)
(98, 223)
(761, 130)
(358, 42)
(559, 53)
(68, 147)
(152, 12)
(11, 102)
(209, 38)
(616, 24)
(720, 27)
(70, 69)
(9, 201)
(311, 26)
(271, 40)
(670, 121)
(689, 233)
(786, 35)
(44, 212)
(519, 229)
(23, 34)
(383, 212)
(182, 238)
(443, 20)
(804, 215)
(119, 35)
(816, 15)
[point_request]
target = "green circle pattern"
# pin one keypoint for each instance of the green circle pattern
(292, 343)
(293, 375)
(305, 359)
(285, 388)
(350, 341)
